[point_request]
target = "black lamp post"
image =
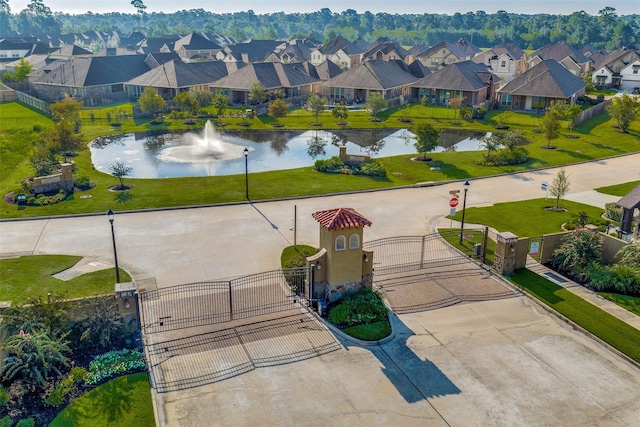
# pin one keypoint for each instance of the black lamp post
(466, 186)
(110, 215)
(246, 172)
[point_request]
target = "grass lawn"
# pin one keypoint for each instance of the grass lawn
(471, 238)
(122, 402)
(296, 255)
(627, 302)
(32, 276)
(620, 189)
(537, 220)
(608, 328)
(371, 332)
(597, 139)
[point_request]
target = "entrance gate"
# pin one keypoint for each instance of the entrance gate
(409, 253)
(207, 303)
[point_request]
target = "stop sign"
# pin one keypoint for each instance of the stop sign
(453, 202)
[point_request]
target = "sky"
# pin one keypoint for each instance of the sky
(449, 7)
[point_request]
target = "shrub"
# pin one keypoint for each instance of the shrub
(516, 156)
(27, 422)
(113, 363)
(6, 421)
(621, 279)
(83, 182)
(336, 165)
(37, 128)
(332, 165)
(358, 308)
(613, 211)
(577, 252)
(479, 113)
(4, 396)
(372, 168)
(630, 255)
(466, 112)
(43, 200)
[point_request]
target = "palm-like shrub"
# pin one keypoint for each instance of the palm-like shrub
(102, 321)
(34, 357)
(578, 251)
(52, 315)
(358, 308)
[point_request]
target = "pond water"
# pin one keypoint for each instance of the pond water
(210, 152)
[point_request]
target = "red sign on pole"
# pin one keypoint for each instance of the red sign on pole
(453, 202)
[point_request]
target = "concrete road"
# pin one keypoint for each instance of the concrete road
(493, 363)
(182, 246)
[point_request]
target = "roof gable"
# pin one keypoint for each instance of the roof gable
(465, 75)
(375, 75)
(548, 78)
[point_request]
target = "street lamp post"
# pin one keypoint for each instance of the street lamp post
(110, 215)
(246, 172)
(466, 186)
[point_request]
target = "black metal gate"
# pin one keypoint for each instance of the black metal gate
(206, 303)
(408, 253)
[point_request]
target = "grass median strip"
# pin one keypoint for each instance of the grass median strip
(598, 322)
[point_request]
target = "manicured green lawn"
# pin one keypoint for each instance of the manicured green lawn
(596, 140)
(122, 402)
(527, 218)
(371, 332)
(608, 328)
(620, 189)
(627, 302)
(32, 276)
(471, 237)
(297, 254)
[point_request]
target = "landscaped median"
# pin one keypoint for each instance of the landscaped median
(618, 334)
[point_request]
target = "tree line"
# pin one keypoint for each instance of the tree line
(606, 30)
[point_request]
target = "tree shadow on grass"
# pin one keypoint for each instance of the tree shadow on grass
(607, 147)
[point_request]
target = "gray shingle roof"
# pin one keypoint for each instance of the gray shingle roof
(178, 74)
(272, 75)
(252, 51)
(631, 200)
(324, 71)
(560, 51)
(340, 43)
(548, 78)
(95, 71)
(465, 75)
(375, 75)
(195, 41)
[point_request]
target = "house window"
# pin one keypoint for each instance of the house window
(506, 99)
(538, 102)
(434, 61)
(354, 241)
(336, 93)
(341, 243)
(503, 64)
(636, 69)
(601, 80)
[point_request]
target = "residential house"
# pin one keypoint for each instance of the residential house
(540, 85)
(156, 44)
(249, 52)
(156, 59)
(12, 49)
(606, 72)
(469, 81)
(566, 55)
(323, 71)
(630, 77)
(340, 51)
(504, 60)
(392, 79)
(193, 47)
(290, 78)
(445, 53)
(594, 55)
(94, 80)
(383, 49)
(295, 50)
(175, 76)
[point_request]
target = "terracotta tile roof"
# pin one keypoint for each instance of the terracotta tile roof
(333, 219)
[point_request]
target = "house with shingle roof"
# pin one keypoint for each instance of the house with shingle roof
(566, 55)
(194, 46)
(392, 79)
(607, 71)
(504, 60)
(295, 50)
(251, 51)
(172, 77)
(90, 79)
(473, 83)
(323, 71)
(156, 44)
(384, 49)
(630, 77)
(540, 85)
(340, 51)
(445, 53)
(291, 78)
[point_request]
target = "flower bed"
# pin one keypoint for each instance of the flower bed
(114, 363)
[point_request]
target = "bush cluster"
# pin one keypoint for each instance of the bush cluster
(580, 257)
(358, 308)
(515, 156)
(114, 363)
(613, 211)
(57, 395)
(335, 165)
(42, 200)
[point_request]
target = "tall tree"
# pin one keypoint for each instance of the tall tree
(550, 123)
(65, 138)
(185, 101)
(624, 110)
(140, 8)
(340, 111)
(220, 103)
(66, 109)
(315, 105)
(120, 171)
